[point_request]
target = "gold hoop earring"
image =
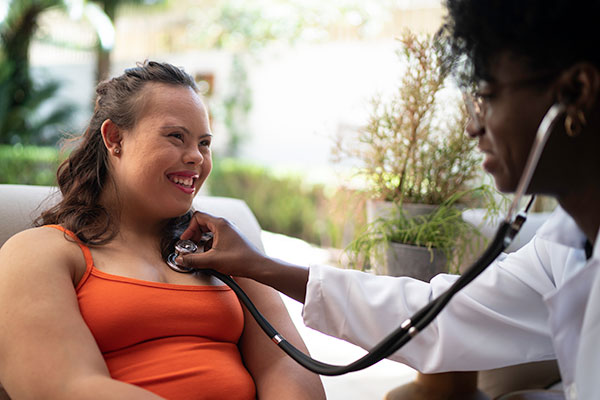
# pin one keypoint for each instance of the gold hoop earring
(573, 127)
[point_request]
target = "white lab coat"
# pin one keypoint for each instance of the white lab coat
(540, 302)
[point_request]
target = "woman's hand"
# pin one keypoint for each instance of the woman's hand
(232, 254)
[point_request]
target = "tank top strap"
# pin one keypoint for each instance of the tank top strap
(87, 254)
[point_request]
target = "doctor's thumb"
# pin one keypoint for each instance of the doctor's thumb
(199, 261)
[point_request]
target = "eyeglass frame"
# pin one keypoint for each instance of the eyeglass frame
(475, 102)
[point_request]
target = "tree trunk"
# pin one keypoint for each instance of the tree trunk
(103, 55)
(16, 40)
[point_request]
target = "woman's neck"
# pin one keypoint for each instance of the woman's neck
(584, 208)
(132, 225)
(136, 231)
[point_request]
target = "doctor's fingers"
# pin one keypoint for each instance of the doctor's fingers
(212, 259)
(198, 261)
(226, 236)
(200, 224)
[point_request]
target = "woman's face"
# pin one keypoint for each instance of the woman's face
(165, 158)
(515, 101)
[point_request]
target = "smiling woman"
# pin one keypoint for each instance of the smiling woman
(173, 132)
(117, 323)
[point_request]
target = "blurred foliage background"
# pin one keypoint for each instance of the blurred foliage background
(287, 204)
(34, 116)
(28, 165)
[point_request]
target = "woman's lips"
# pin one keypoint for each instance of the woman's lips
(185, 181)
(184, 189)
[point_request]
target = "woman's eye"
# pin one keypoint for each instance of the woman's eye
(176, 135)
(205, 143)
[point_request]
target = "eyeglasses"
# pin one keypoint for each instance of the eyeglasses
(476, 103)
(476, 108)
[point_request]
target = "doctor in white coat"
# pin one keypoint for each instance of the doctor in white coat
(539, 303)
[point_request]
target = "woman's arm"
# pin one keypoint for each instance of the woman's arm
(276, 375)
(46, 349)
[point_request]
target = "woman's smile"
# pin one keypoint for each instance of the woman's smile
(184, 181)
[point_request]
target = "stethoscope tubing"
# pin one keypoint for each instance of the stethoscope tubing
(391, 343)
(421, 319)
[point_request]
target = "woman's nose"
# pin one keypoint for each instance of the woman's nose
(193, 156)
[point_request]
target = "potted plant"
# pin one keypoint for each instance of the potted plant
(419, 168)
(421, 243)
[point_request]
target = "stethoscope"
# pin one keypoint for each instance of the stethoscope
(506, 232)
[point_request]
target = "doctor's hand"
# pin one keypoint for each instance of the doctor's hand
(232, 254)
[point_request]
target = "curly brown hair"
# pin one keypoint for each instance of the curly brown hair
(549, 34)
(82, 176)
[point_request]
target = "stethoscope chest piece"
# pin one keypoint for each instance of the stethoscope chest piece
(182, 247)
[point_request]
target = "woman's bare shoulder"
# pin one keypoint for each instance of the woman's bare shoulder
(45, 248)
(39, 237)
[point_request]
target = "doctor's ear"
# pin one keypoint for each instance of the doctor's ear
(579, 86)
(578, 90)
(112, 137)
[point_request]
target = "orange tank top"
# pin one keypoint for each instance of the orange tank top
(178, 341)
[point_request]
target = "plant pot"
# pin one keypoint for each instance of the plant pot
(404, 259)
(413, 261)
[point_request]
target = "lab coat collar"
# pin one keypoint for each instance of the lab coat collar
(596, 250)
(562, 229)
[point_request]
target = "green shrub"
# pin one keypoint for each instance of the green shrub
(286, 204)
(29, 165)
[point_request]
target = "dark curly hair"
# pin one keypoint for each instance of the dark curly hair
(550, 34)
(83, 174)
